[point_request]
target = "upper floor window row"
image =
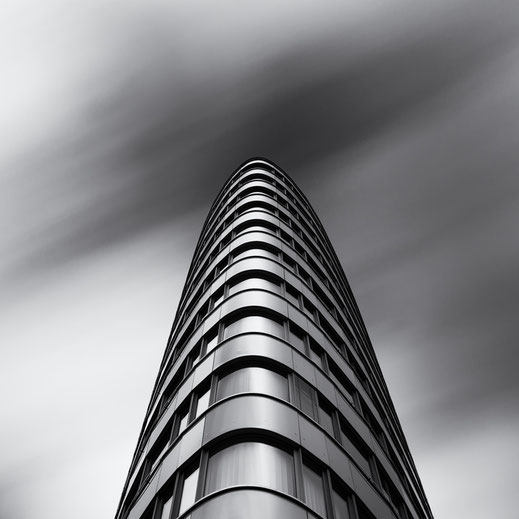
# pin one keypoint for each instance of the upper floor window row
(310, 223)
(252, 280)
(261, 225)
(281, 183)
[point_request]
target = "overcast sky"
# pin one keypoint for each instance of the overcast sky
(119, 123)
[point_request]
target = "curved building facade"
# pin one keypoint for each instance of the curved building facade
(269, 402)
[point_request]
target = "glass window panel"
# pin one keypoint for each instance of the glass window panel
(306, 398)
(188, 491)
(255, 252)
(166, 508)
(254, 228)
(183, 422)
(254, 323)
(212, 341)
(308, 309)
(325, 419)
(253, 379)
(203, 403)
(289, 262)
(251, 464)
(255, 283)
(314, 490)
(340, 505)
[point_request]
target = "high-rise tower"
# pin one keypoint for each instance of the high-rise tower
(269, 402)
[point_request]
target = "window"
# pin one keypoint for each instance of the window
(306, 398)
(315, 354)
(250, 463)
(286, 237)
(254, 252)
(253, 379)
(340, 504)
(254, 323)
(203, 401)
(314, 490)
(255, 283)
(289, 262)
(217, 298)
(362, 512)
(182, 420)
(166, 508)
(188, 491)
(309, 309)
(326, 418)
(305, 276)
(297, 339)
(211, 340)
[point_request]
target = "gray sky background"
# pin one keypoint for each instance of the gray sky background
(119, 123)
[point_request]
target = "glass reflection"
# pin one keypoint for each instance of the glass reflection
(188, 491)
(326, 420)
(212, 341)
(255, 283)
(314, 491)
(253, 380)
(254, 323)
(203, 403)
(255, 252)
(340, 505)
(166, 508)
(251, 463)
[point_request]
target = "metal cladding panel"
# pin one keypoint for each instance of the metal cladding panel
(249, 504)
(251, 412)
(253, 345)
(313, 439)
